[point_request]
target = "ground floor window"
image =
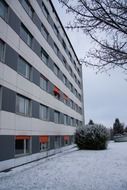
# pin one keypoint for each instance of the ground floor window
(57, 143)
(66, 140)
(44, 143)
(22, 145)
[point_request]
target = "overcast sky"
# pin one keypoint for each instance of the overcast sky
(105, 97)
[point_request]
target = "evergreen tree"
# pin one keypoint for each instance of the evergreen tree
(91, 122)
(118, 128)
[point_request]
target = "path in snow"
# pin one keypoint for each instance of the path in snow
(77, 170)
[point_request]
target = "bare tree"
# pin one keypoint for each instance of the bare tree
(105, 21)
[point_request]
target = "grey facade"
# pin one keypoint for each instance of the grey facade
(40, 83)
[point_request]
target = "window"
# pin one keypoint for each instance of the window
(0, 97)
(56, 92)
(26, 35)
(28, 8)
(2, 51)
(44, 56)
(56, 117)
(64, 45)
(71, 103)
(44, 143)
(56, 69)
(80, 110)
(76, 107)
(70, 70)
(57, 142)
(3, 10)
(44, 112)
(71, 121)
(80, 97)
(70, 56)
(24, 68)
(66, 140)
(78, 71)
(76, 123)
(23, 105)
(65, 119)
(44, 32)
(75, 92)
(74, 64)
(45, 11)
(79, 83)
(65, 99)
(64, 62)
(71, 87)
(57, 96)
(75, 77)
(56, 30)
(22, 145)
(44, 83)
(64, 80)
(56, 49)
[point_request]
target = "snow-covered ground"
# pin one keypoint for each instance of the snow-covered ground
(75, 170)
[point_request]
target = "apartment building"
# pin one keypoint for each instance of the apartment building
(41, 94)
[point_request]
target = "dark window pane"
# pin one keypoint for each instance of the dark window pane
(2, 51)
(44, 56)
(44, 112)
(19, 146)
(45, 11)
(56, 117)
(44, 32)
(56, 70)
(23, 68)
(3, 10)
(56, 30)
(27, 7)
(23, 105)
(26, 36)
(44, 83)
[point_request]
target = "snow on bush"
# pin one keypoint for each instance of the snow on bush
(92, 137)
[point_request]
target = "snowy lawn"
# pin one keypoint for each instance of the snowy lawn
(75, 170)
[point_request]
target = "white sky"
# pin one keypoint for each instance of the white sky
(105, 96)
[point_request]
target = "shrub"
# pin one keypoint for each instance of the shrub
(94, 137)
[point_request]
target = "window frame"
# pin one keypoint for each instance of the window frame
(45, 56)
(64, 79)
(42, 78)
(28, 66)
(44, 32)
(24, 147)
(25, 113)
(44, 116)
(6, 15)
(56, 49)
(29, 38)
(56, 31)
(57, 120)
(56, 70)
(28, 9)
(2, 57)
(1, 90)
(45, 10)
(64, 44)
(65, 119)
(71, 103)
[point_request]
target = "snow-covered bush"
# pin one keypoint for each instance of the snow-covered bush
(92, 137)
